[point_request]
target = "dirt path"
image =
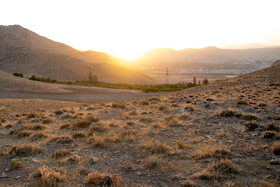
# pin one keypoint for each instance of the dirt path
(79, 94)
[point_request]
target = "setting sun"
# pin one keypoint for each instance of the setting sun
(128, 28)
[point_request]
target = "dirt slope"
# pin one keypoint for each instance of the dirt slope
(223, 134)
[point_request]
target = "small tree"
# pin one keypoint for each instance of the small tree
(95, 79)
(194, 80)
(205, 81)
(90, 78)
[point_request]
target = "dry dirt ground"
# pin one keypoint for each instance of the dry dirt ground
(223, 134)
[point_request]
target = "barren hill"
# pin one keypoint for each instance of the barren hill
(11, 83)
(24, 51)
(223, 134)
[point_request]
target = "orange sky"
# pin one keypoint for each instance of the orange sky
(129, 28)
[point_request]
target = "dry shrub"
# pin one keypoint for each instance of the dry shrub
(103, 179)
(61, 139)
(156, 147)
(61, 153)
(272, 127)
(48, 177)
(25, 150)
(184, 117)
(206, 151)
(155, 99)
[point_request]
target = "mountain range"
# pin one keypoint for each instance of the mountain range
(22, 50)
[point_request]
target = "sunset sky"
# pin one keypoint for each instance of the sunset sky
(129, 28)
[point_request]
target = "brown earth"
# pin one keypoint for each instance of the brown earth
(222, 134)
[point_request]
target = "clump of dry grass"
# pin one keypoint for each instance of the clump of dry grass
(206, 151)
(72, 159)
(221, 169)
(251, 125)
(119, 105)
(154, 162)
(103, 179)
(65, 126)
(146, 120)
(25, 150)
(48, 177)
(61, 153)
(77, 135)
(272, 127)
(184, 117)
(83, 123)
(275, 148)
(242, 102)
(38, 136)
(99, 128)
(156, 147)
(238, 114)
(97, 142)
(16, 164)
(61, 139)
(268, 135)
(26, 130)
(188, 183)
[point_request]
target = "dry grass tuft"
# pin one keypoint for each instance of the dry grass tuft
(48, 177)
(97, 142)
(275, 148)
(156, 147)
(103, 179)
(84, 123)
(65, 126)
(210, 151)
(38, 136)
(77, 135)
(26, 130)
(222, 169)
(61, 139)
(61, 153)
(98, 127)
(238, 114)
(154, 162)
(188, 183)
(25, 150)
(268, 135)
(16, 164)
(251, 125)
(119, 105)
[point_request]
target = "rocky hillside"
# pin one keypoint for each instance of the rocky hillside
(222, 134)
(24, 51)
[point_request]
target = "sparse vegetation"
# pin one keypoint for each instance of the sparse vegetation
(103, 179)
(25, 150)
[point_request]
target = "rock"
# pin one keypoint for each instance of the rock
(18, 177)
(179, 111)
(138, 173)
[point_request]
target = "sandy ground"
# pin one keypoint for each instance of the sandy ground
(78, 94)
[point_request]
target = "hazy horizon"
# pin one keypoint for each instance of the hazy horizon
(128, 29)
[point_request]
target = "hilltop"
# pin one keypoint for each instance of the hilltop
(24, 51)
(222, 134)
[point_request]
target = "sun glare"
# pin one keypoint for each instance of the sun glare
(127, 29)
